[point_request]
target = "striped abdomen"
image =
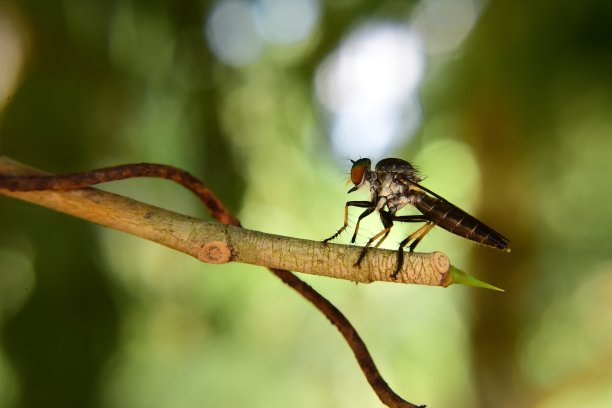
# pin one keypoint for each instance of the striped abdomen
(457, 221)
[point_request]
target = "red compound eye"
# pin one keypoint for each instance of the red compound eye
(358, 171)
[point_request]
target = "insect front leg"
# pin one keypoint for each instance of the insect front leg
(364, 214)
(363, 204)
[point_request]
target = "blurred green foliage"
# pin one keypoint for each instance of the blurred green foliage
(516, 128)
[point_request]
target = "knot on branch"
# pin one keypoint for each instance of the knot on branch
(215, 252)
(440, 262)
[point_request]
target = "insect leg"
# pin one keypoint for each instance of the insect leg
(418, 239)
(411, 218)
(369, 243)
(362, 204)
(417, 236)
(364, 214)
(387, 220)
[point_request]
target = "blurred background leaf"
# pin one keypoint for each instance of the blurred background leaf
(504, 106)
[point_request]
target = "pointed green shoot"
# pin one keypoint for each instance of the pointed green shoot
(460, 277)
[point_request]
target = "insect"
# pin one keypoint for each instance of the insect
(394, 183)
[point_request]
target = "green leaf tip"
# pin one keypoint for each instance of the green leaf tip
(462, 278)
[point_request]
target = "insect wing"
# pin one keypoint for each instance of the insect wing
(452, 218)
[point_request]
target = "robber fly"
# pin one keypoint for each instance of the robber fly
(395, 183)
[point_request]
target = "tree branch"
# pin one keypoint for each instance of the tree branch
(217, 243)
(15, 176)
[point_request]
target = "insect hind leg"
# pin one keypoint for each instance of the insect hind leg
(426, 228)
(417, 236)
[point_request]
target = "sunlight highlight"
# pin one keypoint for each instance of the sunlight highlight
(369, 86)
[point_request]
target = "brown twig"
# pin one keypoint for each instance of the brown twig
(75, 181)
(34, 181)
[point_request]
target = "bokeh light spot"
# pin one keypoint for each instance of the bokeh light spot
(231, 33)
(286, 21)
(369, 88)
(12, 56)
(444, 24)
(17, 280)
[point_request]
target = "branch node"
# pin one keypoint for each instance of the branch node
(441, 263)
(215, 252)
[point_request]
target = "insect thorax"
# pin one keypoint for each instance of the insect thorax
(394, 195)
